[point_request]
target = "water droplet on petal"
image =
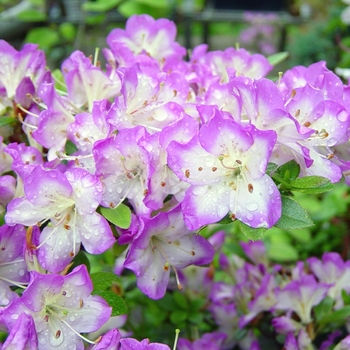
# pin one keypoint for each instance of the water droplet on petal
(252, 206)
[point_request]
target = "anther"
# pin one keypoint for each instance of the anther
(58, 334)
(250, 188)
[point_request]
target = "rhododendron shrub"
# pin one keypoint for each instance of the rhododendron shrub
(128, 163)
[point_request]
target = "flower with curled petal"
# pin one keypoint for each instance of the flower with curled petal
(69, 201)
(145, 36)
(61, 307)
(225, 166)
(162, 243)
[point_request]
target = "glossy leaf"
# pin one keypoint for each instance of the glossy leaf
(282, 252)
(4, 120)
(104, 280)
(278, 57)
(80, 259)
(100, 6)
(31, 15)
(289, 171)
(253, 234)
(312, 185)
(293, 215)
(116, 302)
(119, 216)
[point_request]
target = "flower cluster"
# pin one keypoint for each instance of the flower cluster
(180, 143)
(296, 302)
(260, 32)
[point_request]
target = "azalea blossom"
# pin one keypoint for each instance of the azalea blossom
(61, 307)
(227, 174)
(301, 296)
(145, 36)
(164, 243)
(69, 201)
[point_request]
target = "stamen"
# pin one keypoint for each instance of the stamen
(20, 118)
(147, 126)
(167, 264)
(179, 285)
(97, 51)
(47, 238)
(221, 159)
(280, 74)
(74, 230)
(14, 283)
(177, 332)
(11, 262)
(58, 82)
(39, 103)
(63, 156)
(78, 334)
(68, 210)
(26, 111)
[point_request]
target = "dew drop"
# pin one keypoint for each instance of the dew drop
(252, 206)
(249, 216)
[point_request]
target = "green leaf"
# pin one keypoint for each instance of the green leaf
(293, 215)
(225, 220)
(196, 317)
(323, 308)
(271, 168)
(253, 234)
(31, 15)
(95, 19)
(345, 296)
(104, 280)
(312, 184)
(181, 300)
(302, 235)
(336, 318)
(45, 37)
(119, 216)
(70, 147)
(37, 3)
(153, 7)
(2, 219)
(282, 252)
(118, 249)
(80, 259)
(59, 80)
(100, 6)
(178, 316)
(116, 302)
(278, 57)
(68, 31)
(289, 171)
(4, 120)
